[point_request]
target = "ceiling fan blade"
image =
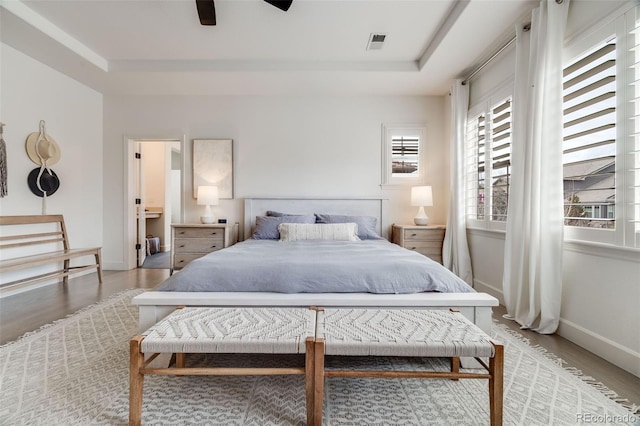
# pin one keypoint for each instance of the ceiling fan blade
(280, 4)
(206, 12)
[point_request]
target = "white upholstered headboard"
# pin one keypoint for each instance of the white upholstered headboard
(356, 206)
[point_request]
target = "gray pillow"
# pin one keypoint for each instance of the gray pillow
(267, 226)
(366, 224)
(280, 214)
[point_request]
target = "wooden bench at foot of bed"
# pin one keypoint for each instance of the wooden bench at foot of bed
(317, 333)
(408, 333)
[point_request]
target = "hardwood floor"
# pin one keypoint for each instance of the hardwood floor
(32, 309)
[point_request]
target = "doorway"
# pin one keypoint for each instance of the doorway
(155, 180)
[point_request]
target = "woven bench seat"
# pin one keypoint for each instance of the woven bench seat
(415, 333)
(223, 330)
(232, 330)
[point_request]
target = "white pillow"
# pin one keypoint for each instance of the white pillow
(318, 231)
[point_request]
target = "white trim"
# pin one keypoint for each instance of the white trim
(36, 20)
(611, 351)
(483, 287)
(498, 234)
(610, 251)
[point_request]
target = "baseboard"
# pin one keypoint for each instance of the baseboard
(609, 350)
(613, 352)
(482, 287)
(11, 292)
(114, 266)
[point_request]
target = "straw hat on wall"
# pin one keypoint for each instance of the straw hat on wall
(47, 149)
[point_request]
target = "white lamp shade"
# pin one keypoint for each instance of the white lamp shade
(207, 195)
(421, 196)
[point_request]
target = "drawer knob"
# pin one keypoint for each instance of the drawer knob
(413, 248)
(181, 245)
(414, 235)
(181, 232)
(213, 246)
(214, 233)
(182, 261)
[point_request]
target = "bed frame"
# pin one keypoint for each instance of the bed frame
(155, 305)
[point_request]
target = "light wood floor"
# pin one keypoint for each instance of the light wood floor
(32, 309)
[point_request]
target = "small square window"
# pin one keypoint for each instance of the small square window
(403, 154)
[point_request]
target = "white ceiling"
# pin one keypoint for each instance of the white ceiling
(317, 47)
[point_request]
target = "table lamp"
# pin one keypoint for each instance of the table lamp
(207, 196)
(421, 196)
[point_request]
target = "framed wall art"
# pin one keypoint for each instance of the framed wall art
(213, 165)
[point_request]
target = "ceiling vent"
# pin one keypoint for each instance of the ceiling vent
(376, 40)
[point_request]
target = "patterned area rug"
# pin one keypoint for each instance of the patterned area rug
(75, 372)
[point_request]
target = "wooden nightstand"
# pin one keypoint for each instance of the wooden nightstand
(190, 241)
(426, 240)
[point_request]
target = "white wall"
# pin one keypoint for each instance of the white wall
(283, 146)
(600, 285)
(32, 92)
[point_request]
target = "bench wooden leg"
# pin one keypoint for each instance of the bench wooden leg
(496, 370)
(98, 256)
(318, 382)
(180, 357)
(309, 376)
(136, 381)
(65, 278)
(455, 365)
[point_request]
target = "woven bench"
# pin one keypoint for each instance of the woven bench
(316, 332)
(223, 330)
(35, 231)
(414, 333)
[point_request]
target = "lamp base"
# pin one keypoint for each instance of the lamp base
(421, 218)
(207, 219)
(422, 221)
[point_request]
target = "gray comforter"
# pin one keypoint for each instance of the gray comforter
(369, 266)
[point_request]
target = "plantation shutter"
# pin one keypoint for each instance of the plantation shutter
(405, 155)
(500, 159)
(589, 138)
(633, 133)
(475, 167)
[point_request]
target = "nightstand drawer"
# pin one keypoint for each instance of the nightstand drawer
(424, 246)
(424, 234)
(198, 245)
(198, 233)
(181, 260)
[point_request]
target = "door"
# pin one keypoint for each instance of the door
(135, 229)
(141, 219)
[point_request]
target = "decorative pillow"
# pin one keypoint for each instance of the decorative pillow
(267, 226)
(318, 231)
(366, 224)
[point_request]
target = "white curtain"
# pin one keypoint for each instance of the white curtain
(455, 250)
(532, 282)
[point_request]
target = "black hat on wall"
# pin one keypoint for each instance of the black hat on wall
(49, 182)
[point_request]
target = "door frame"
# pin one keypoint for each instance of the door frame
(129, 238)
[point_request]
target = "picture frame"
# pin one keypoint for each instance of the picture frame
(213, 165)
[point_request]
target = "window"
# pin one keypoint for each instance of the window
(488, 142)
(589, 139)
(601, 140)
(403, 155)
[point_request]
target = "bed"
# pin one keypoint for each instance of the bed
(156, 304)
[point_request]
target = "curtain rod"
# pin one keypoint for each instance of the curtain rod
(527, 27)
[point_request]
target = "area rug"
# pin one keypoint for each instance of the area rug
(75, 372)
(160, 260)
